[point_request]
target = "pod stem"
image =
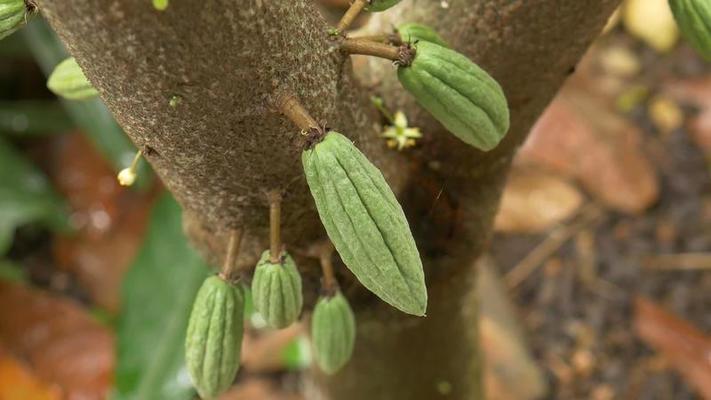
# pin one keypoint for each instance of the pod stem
(400, 55)
(291, 107)
(389, 38)
(274, 227)
(356, 7)
(329, 278)
(229, 268)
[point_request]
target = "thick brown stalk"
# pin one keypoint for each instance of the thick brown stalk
(226, 143)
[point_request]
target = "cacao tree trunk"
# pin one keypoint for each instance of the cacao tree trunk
(222, 144)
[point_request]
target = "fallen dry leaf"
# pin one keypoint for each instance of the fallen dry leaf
(696, 93)
(666, 115)
(578, 136)
(264, 351)
(687, 349)
(110, 220)
(534, 201)
(59, 339)
(652, 22)
(17, 382)
(510, 373)
(257, 389)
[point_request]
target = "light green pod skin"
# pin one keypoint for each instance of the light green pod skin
(459, 94)
(276, 291)
(13, 13)
(380, 5)
(413, 32)
(694, 20)
(332, 332)
(214, 339)
(68, 81)
(365, 222)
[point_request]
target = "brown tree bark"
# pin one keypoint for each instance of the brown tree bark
(223, 146)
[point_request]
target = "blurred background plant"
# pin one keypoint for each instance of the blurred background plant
(598, 283)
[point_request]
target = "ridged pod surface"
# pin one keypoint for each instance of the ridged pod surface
(214, 337)
(365, 222)
(13, 14)
(276, 290)
(459, 94)
(380, 5)
(694, 20)
(412, 32)
(68, 81)
(332, 332)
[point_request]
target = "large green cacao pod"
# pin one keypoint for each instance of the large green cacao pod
(13, 14)
(459, 94)
(214, 338)
(276, 290)
(365, 222)
(380, 5)
(68, 80)
(412, 33)
(332, 332)
(694, 20)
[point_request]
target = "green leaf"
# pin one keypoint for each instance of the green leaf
(157, 296)
(33, 117)
(11, 272)
(91, 116)
(25, 196)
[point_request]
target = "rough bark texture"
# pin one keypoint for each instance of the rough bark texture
(223, 145)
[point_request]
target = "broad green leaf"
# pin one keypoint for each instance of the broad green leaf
(91, 116)
(33, 117)
(157, 296)
(25, 196)
(11, 272)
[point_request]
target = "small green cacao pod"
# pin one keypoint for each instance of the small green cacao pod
(13, 13)
(332, 332)
(68, 81)
(214, 337)
(380, 5)
(276, 290)
(365, 222)
(412, 32)
(694, 20)
(459, 94)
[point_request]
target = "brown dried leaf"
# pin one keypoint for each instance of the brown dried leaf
(697, 93)
(110, 220)
(652, 22)
(60, 340)
(510, 373)
(534, 201)
(17, 382)
(264, 352)
(687, 349)
(257, 389)
(578, 137)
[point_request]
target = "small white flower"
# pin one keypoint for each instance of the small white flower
(399, 135)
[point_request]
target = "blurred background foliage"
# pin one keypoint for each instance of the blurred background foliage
(597, 282)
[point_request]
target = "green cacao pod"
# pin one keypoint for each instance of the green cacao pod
(412, 32)
(68, 81)
(459, 94)
(365, 222)
(332, 332)
(694, 20)
(13, 13)
(276, 290)
(380, 5)
(214, 338)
